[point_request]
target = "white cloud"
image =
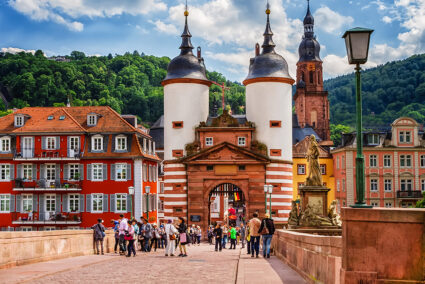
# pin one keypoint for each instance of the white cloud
(387, 19)
(15, 50)
(331, 21)
(65, 12)
(165, 28)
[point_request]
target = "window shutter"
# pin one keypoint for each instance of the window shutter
(155, 202)
(145, 200)
(58, 203)
(41, 204)
(65, 203)
(66, 172)
(42, 171)
(112, 205)
(81, 172)
(12, 203)
(88, 139)
(105, 143)
(34, 203)
(12, 172)
(114, 137)
(68, 146)
(128, 171)
(129, 203)
(105, 203)
(81, 205)
(88, 203)
(58, 142)
(112, 171)
(43, 143)
(88, 172)
(57, 173)
(19, 173)
(105, 172)
(129, 142)
(18, 203)
(34, 172)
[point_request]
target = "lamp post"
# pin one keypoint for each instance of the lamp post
(131, 193)
(357, 44)
(147, 190)
(268, 189)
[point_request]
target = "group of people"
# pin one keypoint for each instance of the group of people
(128, 233)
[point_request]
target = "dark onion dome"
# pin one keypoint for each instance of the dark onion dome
(268, 64)
(309, 49)
(186, 65)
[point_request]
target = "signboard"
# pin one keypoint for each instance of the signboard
(195, 218)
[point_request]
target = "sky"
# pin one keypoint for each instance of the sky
(226, 30)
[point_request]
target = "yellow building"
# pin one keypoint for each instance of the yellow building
(300, 168)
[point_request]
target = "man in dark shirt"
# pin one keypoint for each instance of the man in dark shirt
(218, 233)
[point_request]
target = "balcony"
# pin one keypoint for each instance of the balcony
(43, 185)
(409, 194)
(32, 154)
(46, 218)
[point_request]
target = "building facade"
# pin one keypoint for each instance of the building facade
(394, 166)
(65, 167)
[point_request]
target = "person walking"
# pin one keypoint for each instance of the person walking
(210, 234)
(192, 235)
(225, 232)
(116, 234)
(163, 240)
(131, 237)
(182, 237)
(198, 233)
(248, 240)
(243, 235)
(170, 232)
(266, 230)
(156, 237)
(122, 228)
(218, 233)
(254, 226)
(233, 237)
(98, 235)
(147, 235)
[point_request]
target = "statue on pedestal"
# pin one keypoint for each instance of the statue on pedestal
(333, 214)
(314, 177)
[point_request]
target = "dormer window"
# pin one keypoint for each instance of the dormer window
(91, 120)
(19, 120)
(121, 143)
(373, 139)
(405, 137)
(97, 143)
(5, 145)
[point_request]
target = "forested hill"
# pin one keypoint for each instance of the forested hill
(389, 91)
(129, 83)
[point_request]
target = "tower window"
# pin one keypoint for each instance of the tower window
(209, 141)
(275, 123)
(275, 152)
(177, 124)
(311, 75)
(177, 153)
(210, 168)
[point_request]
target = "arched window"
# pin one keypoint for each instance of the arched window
(311, 77)
(313, 116)
(302, 76)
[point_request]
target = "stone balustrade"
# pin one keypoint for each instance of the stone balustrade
(18, 248)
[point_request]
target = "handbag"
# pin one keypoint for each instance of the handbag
(183, 238)
(172, 237)
(265, 230)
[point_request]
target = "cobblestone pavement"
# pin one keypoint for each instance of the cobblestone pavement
(203, 265)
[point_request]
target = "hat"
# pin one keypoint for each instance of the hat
(116, 222)
(267, 215)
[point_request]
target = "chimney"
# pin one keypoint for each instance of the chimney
(257, 49)
(199, 52)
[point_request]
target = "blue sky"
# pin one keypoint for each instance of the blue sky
(227, 30)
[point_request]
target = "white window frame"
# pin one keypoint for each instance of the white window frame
(94, 141)
(322, 169)
(405, 137)
(404, 159)
(99, 198)
(144, 145)
(122, 207)
(374, 184)
(26, 229)
(422, 161)
(343, 185)
(98, 169)
(338, 186)
(51, 143)
(388, 185)
(150, 146)
(373, 161)
(406, 182)
(27, 172)
(4, 203)
(374, 203)
(422, 185)
(387, 161)
(5, 144)
(145, 170)
(91, 120)
(4, 171)
(373, 139)
(27, 203)
(51, 169)
(388, 204)
(19, 120)
(73, 170)
(242, 141)
(74, 143)
(75, 199)
(118, 140)
(122, 176)
(150, 173)
(47, 206)
(301, 169)
(209, 141)
(337, 162)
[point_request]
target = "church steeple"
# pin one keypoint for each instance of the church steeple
(186, 46)
(268, 44)
(309, 49)
(308, 23)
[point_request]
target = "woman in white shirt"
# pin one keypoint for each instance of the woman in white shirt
(170, 232)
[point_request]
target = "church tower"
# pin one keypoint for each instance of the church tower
(311, 101)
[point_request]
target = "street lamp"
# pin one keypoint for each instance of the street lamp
(131, 193)
(268, 189)
(147, 190)
(357, 44)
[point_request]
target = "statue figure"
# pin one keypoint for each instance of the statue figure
(309, 219)
(333, 214)
(294, 218)
(314, 177)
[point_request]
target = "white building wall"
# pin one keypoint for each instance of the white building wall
(266, 101)
(138, 189)
(187, 102)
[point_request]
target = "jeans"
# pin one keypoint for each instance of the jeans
(147, 247)
(99, 241)
(248, 246)
(267, 239)
(218, 244)
(131, 248)
(198, 239)
(117, 242)
(255, 245)
(224, 241)
(122, 244)
(154, 241)
(233, 243)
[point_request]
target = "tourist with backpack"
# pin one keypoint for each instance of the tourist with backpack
(147, 235)
(266, 230)
(98, 235)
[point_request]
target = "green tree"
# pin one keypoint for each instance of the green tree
(421, 203)
(336, 132)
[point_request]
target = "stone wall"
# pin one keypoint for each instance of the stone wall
(18, 248)
(383, 245)
(316, 258)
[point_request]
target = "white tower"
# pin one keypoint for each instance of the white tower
(186, 91)
(269, 106)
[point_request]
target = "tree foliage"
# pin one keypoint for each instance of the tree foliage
(336, 132)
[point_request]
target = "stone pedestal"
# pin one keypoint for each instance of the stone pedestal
(316, 197)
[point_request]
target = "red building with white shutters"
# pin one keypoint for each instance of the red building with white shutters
(394, 166)
(65, 167)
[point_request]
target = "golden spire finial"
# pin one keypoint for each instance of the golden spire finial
(268, 8)
(186, 11)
